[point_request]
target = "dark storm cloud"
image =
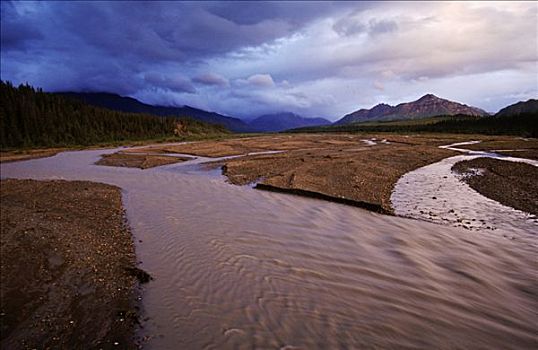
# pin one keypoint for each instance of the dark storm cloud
(294, 12)
(349, 26)
(16, 34)
(117, 43)
(241, 58)
(174, 83)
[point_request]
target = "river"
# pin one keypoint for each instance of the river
(238, 268)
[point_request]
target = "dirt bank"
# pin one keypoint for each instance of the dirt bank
(351, 168)
(67, 266)
(142, 161)
(13, 156)
(510, 183)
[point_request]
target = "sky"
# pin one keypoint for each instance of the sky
(244, 59)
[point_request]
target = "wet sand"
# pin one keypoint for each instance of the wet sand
(354, 169)
(142, 161)
(13, 156)
(436, 193)
(514, 184)
(64, 254)
(237, 268)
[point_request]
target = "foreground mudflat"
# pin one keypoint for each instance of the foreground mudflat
(64, 255)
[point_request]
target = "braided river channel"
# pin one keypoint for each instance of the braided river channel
(239, 268)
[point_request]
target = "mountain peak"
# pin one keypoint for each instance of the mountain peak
(429, 97)
(428, 105)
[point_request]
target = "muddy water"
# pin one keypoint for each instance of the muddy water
(240, 268)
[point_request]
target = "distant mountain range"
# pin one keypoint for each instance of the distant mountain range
(427, 106)
(284, 121)
(527, 107)
(129, 104)
(266, 123)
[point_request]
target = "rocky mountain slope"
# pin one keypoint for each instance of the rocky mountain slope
(523, 107)
(427, 106)
(128, 104)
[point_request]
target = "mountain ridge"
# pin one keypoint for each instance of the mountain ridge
(128, 104)
(518, 108)
(426, 106)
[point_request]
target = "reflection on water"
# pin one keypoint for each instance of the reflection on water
(240, 268)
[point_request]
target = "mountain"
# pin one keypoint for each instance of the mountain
(427, 106)
(284, 121)
(31, 118)
(527, 107)
(129, 104)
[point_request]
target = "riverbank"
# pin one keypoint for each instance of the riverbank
(236, 268)
(141, 161)
(510, 183)
(355, 169)
(20, 154)
(67, 266)
(513, 147)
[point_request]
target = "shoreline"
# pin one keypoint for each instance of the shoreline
(510, 183)
(340, 168)
(69, 275)
(210, 246)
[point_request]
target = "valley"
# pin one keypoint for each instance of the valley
(243, 267)
(268, 175)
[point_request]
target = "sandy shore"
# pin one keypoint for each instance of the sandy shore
(142, 161)
(13, 156)
(236, 268)
(357, 169)
(354, 169)
(510, 183)
(67, 266)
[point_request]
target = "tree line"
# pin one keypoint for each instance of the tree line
(30, 117)
(525, 125)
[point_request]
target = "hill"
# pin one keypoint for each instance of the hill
(527, 107)
(427, 106)
(128, 104)
(284, 121)
(525, 125)
(33, 118)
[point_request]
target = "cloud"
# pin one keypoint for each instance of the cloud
(261, 80)
(383, 26)
(16, 34)
(312, 58)
(174, 83)
(211, 79)
(378, 85)
(354, 25)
